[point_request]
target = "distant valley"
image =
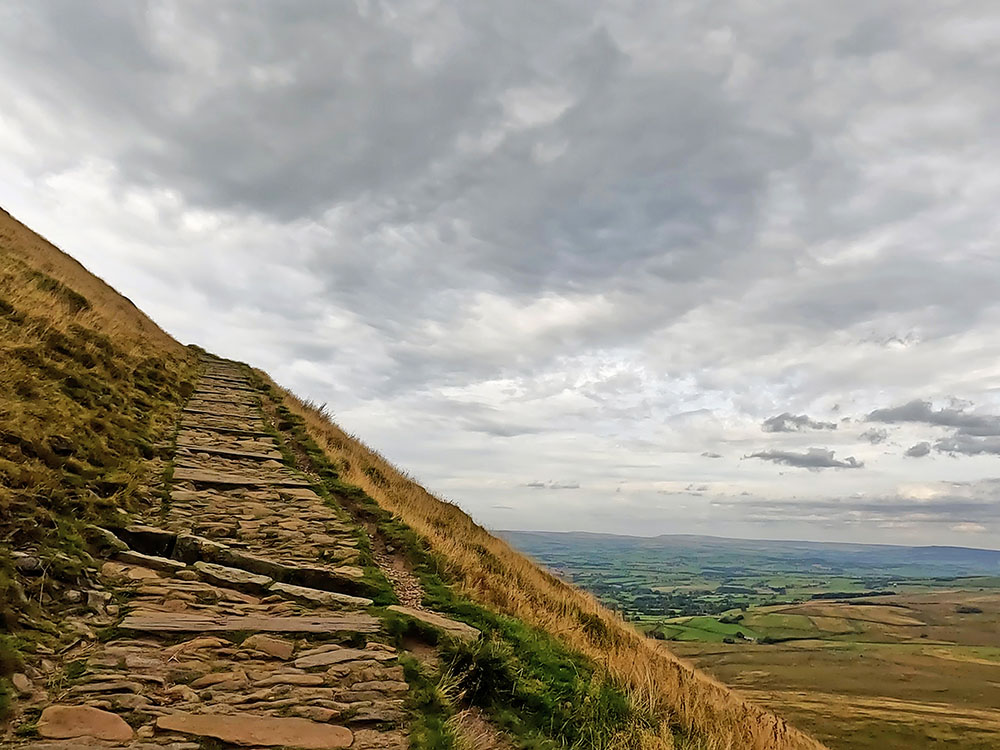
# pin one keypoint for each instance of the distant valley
(899, 645)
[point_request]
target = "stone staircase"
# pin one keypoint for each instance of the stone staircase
(235, 616)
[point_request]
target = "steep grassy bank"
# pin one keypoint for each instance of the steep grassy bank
(680, 701)
(90, 391)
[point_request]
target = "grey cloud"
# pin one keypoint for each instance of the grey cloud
(919, 450)
(813, 459)
(875, 435)
(964, 505)
(787, 422)
(969, 445)
(560, 222)
(923, 412)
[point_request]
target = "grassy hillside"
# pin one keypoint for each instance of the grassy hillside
(680, 701)
(92, 392)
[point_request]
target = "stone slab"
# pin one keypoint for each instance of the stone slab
(340, 655)
(153, 562)
(451, 627)
(230, 452)
(188, 622)
(259, 731)
(202, 476)
(241, 580)
(318, 596)
(69, 722)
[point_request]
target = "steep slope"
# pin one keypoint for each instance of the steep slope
(260, 491)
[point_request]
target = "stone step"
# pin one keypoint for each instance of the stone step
(453, 628)
(259, 731)
(187, 622)
(224, 415)
(202, 476)
(193, 448)
(226, 430)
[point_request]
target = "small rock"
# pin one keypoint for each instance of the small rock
(98, 600)
(68, 722)
(186, 575)
(27, 564)
(145, 732)
(72, 596)
(22, 684)
(104, 539)
(184, 693)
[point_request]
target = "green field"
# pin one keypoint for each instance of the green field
(868, 648)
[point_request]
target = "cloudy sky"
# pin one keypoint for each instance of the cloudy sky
(607, 265)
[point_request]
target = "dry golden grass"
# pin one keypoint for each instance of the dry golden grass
(88, 385)
(109, 312)
(492, 573)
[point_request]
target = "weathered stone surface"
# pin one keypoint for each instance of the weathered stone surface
(339, 655)
(69, 722)
(350, 571)
(235, 578)
(196, 623)
(302, 680)
(451, 627)
(150, 561)
(216, 678)
(191, 548)
(279, 648)
(108, 686)
(318, 596)
(382, 686)
(266, 731)
(316, 713)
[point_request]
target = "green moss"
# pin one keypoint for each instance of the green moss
(429, 705)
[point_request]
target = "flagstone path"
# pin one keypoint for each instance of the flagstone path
(234, 616)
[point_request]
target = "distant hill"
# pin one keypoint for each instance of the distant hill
(554, 548)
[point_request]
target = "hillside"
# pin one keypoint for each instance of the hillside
(191, 552)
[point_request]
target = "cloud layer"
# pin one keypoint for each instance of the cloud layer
(619, 242)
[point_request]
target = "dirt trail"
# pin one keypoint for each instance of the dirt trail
(235, 615)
